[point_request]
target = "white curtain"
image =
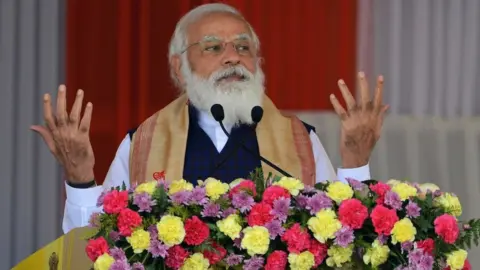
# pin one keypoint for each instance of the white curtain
(31, 63)
(429, 53)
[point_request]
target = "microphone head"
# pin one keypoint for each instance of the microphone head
(217, 112)
(257, 114)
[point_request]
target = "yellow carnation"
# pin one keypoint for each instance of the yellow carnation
(293, 185)
(214, 188)
(403, 231)
(449, 203)
(377, 254)
(139, 240)
(428, 186)
(230, 226)
(324, 225)
(171, 230)
(302, 261)
(195, 262)
(456, 259)
(339, 191)
(148, 187)
(236, 182)
(103, 262)
(179, 185)
(256, 240)
(393, 182)
(338, 255)
(404, 191)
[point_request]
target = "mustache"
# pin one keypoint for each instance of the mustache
(238, 71)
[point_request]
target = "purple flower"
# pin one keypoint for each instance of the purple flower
(237, 242)
(393, 200)
(229, 211)
(344, 236)
(211, 210)
(137, 266)
(275, 228)
(152, 229)
(144, 202)
(407, 246)
(254, 263)
(94, 220)
(318, 202)
(114, 235)
(181, 197)
(234, 259)
(355, 184)
(437, 193)
(198, 196)
(302, 201)
(100, 198)
(118, 254)
(382, 239)
(132, 188)
(242, 201)
(413, 210)
(157, 249)
(420, 260)
(120, 265)
(280, 208)
(309, 189)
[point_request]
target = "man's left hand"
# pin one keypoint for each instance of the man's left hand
(361, 122)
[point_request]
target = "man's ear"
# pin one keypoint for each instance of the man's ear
(177, 66)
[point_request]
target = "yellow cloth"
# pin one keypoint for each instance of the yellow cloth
(159, 144)
(66, 252)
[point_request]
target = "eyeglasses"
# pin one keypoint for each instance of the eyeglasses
(217, 47)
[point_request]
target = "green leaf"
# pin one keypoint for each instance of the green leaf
(124, 187)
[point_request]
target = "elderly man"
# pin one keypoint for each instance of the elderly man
(214, 59)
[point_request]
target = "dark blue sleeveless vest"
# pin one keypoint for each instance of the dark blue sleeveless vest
(202, 159)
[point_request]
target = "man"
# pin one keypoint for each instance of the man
(214, 59)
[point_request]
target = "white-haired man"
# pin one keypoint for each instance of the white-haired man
(214, 59)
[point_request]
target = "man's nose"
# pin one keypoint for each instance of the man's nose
(230, 55)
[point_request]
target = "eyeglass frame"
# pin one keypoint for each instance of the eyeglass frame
(241, 37)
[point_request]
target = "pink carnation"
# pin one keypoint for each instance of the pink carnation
(447, 228)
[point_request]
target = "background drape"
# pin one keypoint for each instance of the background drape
(117, 53)
(31, 64)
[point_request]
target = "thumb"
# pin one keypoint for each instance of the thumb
(46, 136)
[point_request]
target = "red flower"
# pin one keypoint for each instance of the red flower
(260, 214)
(446, 227)
(296, 238)
(245, 185)
(319, 251)
(128, 220)
(352, 213)
(277, 260)
(428, 245)
(115, 201)
(383, 219)
(380, 189)
(466, 266)
(96, 247)
(216, 255)
(274, 192)
(176, 257)
(196, 231)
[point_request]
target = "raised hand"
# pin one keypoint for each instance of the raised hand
(361, 122)
(67, 135)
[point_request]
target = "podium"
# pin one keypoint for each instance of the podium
(66, 252)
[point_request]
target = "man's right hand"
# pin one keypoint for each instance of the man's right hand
(67, 136)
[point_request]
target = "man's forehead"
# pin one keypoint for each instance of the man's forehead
(220, 26)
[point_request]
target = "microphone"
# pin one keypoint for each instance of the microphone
(257, 115)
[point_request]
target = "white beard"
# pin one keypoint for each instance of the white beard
(237, 97)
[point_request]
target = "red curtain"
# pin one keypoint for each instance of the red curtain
(117, 52)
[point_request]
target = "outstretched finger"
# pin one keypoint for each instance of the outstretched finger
(338, 107)
(47, 113)
(364, 90)
(87, 118)
(46, 136)
(76, 108)
(62, 106)
(347, 96)
(378, 100)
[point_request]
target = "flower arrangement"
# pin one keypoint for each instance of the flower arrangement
(280, 223)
